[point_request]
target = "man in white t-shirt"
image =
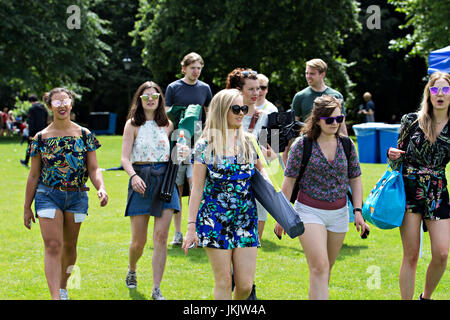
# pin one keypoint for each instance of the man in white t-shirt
(262, 103)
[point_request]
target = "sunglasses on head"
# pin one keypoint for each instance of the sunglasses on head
(236, 109)
(154, 96)
(330, 120)
(58, 103)
(247, 73)
(435, 90)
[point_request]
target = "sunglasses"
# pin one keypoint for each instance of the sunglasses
(247, 73)
(154, 96)
(435, 90)
(236, 109)
(263, 87)
(58, 103)
(330, 120)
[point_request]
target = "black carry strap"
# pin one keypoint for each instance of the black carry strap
(307, 150)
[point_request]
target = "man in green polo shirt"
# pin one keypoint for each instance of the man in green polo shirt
(302, 103)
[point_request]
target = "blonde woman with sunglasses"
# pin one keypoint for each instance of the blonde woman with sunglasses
(222, 210)
(145, 157)
(62, 158)
(423, 148)
(322, 199)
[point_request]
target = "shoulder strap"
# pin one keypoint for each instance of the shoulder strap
(84, 136)
(307, 150)
(346, 143)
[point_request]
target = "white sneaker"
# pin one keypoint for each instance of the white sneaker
(131, 280)
(177, 239)
(63, 295)
(157, 295)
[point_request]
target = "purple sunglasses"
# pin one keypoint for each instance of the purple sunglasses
(330, 120)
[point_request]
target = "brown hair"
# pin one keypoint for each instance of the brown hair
(236, 78)
(317, 64)
(190, 58)
(136, 113)
(426, 117)
(324, 106)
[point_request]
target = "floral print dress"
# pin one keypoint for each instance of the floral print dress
(227, 216)
(424, 169)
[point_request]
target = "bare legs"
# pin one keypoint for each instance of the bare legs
(60, 236)
(139, 225)
(321, 249)
(243, 261)
(439, 237)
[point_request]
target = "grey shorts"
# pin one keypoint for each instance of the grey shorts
(184, 170)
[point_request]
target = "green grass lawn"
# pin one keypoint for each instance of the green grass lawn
(366, 269)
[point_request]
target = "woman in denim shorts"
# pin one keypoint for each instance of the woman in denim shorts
(145, 155)
(62, 158)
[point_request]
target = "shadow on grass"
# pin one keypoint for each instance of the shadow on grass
(136, 295)
(270, 246)
(12, 140)
(349, 250)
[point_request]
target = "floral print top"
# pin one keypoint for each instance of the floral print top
(323, 180)
(423, 169)
(227, 215)
(64, 159)
(151, 144)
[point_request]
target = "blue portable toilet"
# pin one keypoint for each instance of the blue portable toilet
(367, 138)
(439, 60)
(388, 136)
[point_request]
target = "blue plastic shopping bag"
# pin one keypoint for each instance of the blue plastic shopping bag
(385, 205)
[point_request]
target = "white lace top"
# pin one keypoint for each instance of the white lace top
(151, 144)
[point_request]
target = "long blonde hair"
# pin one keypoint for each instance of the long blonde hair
(426, 117)
(216, 129)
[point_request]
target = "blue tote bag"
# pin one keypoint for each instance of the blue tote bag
(385, 205)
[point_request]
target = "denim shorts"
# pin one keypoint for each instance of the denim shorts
(47, 200)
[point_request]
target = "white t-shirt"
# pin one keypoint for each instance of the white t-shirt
(267, 106)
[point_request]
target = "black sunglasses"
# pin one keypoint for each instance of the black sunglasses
(236, 109)
(330, 120)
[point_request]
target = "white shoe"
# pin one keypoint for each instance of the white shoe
(157, 295)
(63, 295)
(177, 239)
(131, 280)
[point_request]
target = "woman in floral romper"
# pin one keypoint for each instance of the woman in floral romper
(424, 150)
(222, 210)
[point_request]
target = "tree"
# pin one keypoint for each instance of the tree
(430, 24)
(275, 38)
(47, 43)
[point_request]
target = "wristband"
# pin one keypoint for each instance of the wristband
(133, 176)
(191, 222)
(357, 209)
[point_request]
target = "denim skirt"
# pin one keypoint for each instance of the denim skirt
(150, 202)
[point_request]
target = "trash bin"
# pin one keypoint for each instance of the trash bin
(367, 138)
(102, 122)
(388, 136)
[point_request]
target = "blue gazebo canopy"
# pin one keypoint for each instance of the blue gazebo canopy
(439, 60)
